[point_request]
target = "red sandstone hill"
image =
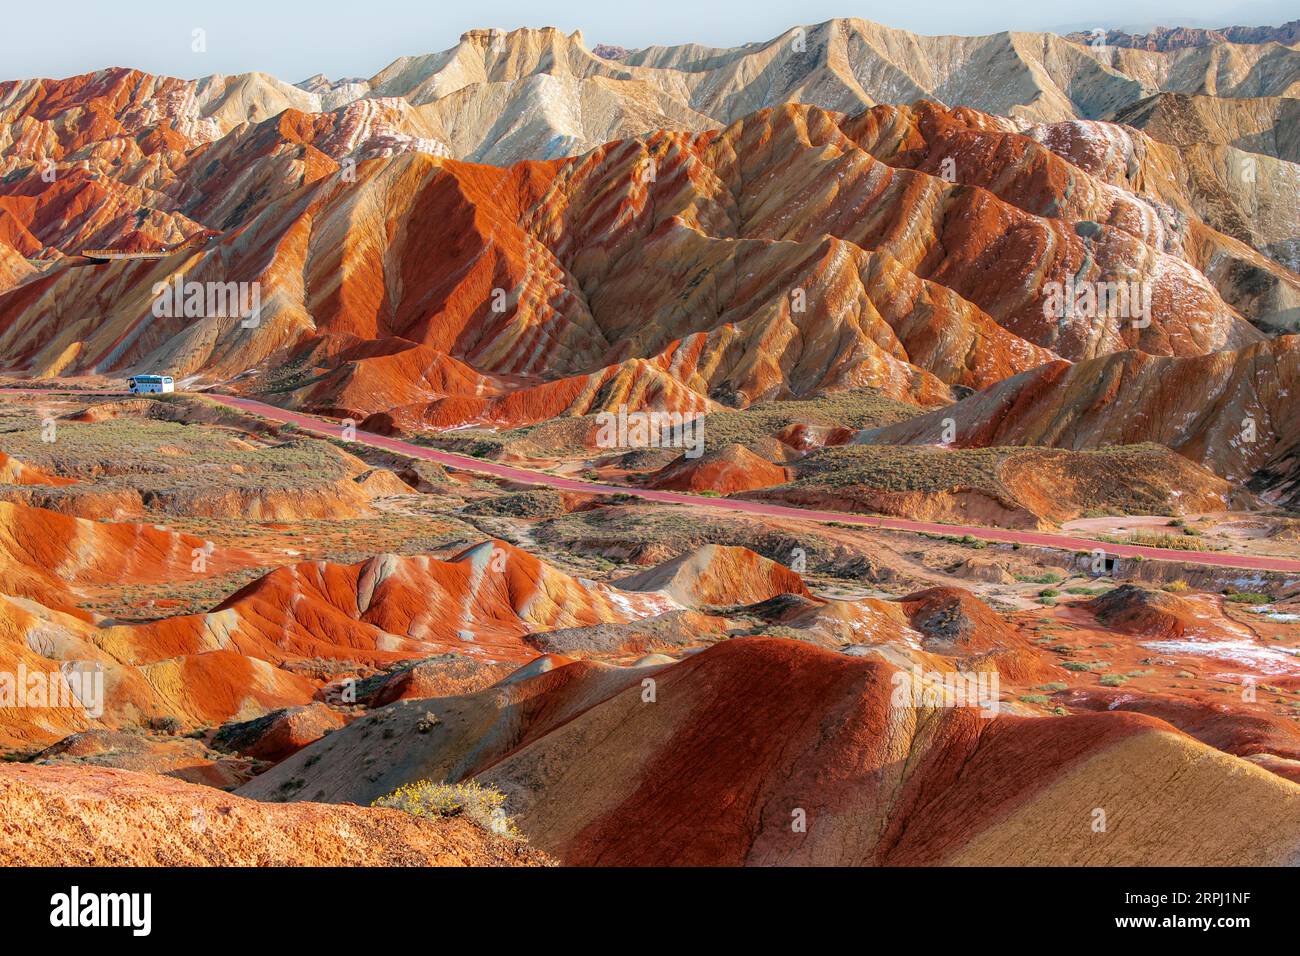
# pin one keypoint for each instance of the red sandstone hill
(665, 271)
(1169, 189)
(225, 663)
(954, 621)
(1233, 412)
(237, 660)
(717, 575)
(1158, 614)
(742, 740)
(391, 607)
(728, 469)
(15, 472)
(43, 555)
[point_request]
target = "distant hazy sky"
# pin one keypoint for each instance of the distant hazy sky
(294, 39)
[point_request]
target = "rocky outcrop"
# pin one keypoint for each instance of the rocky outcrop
(746, 736)
(240, 660)
(718, 575)
(1232, 412)
(726, 470)
(72, 816)
(1177, 38)
(738, 272)
(278, 734)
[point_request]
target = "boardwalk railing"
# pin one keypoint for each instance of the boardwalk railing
(107, 255)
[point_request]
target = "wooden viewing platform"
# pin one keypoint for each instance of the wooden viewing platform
(109, 255)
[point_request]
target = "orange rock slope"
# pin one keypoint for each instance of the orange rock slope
(728, 469)
(64, 816)
(15, 472)
(1235, 412)
(764, 751)
(234, 662)
(666, 271)
(44, 555)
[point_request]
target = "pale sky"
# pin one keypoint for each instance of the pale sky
(294, 39)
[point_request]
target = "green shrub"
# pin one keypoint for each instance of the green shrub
(1249, 598)
(1081, 665)
(1051, 577)
(1157, 539)
(1113, 680)
(165, 725)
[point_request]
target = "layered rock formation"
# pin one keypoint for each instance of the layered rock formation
(558, 97)
(238, 660)
(1177, 38)
(710, 244)
(844, 227)
(664, 272)
(1233, 412)
(746, 737)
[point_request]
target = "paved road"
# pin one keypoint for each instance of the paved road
(321, 426)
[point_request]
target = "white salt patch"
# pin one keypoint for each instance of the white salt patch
(1270, 660)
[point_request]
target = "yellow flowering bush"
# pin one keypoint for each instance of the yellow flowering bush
(485, 805)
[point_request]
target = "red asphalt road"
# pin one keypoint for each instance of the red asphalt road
(526, 476)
